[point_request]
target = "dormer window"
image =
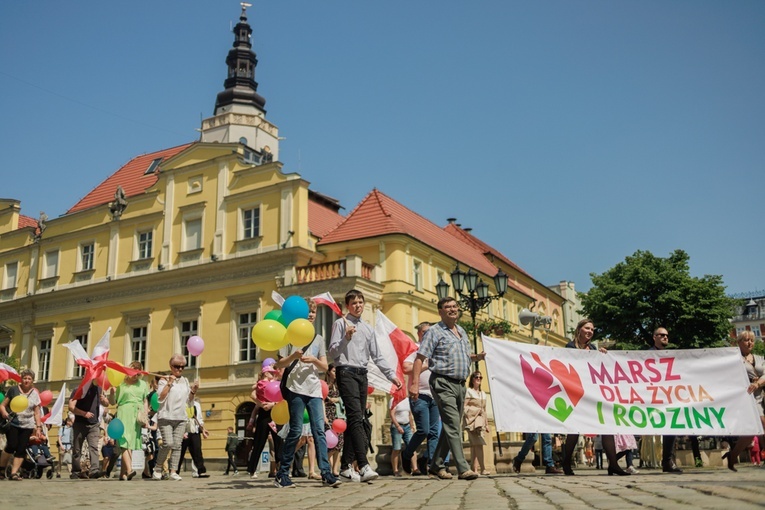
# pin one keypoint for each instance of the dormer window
(153, 166)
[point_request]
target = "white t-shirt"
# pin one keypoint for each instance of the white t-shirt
(402, 411)
(424, 376)
(174, 405)
(304, 377)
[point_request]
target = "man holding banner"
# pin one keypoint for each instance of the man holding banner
(660, 342)
(447, 347)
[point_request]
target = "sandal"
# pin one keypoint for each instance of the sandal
(16, 477)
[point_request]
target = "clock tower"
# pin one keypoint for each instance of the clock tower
(240, 114)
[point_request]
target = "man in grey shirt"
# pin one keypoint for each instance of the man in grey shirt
(351, 347)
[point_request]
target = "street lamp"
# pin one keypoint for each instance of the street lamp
(473, 294)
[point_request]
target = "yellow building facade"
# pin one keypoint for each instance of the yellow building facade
(193, 240)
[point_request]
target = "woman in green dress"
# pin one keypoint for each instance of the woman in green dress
(130, 399)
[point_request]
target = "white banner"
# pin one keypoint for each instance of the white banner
(671, 392)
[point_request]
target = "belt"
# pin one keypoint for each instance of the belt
(452, 379)
(353, 370)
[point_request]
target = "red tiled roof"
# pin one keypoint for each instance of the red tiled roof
(485, 248)
(131, 177)
(322, 219)
(378, 214)
(27, 221)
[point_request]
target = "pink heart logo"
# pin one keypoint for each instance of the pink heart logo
(539, 383)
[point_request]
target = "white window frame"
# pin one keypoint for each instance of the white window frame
(51, 263)
(87, 260)
(11, 281)
(254, 230)
(142, 340)
(248, 351)
(417, 274)
(186, 239)
(44, 352)
(141, 244)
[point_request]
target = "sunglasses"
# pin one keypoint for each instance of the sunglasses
(178, 367)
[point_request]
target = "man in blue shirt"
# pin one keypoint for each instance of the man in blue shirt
(447, 348)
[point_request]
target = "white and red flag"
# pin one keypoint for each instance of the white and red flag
(395, 347)
(54, 417)
(96, 366)
(12, 374)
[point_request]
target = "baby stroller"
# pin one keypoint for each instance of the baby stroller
(35, 463)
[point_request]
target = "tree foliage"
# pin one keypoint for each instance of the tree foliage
(630, 300)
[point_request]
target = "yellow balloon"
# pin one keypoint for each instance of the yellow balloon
(115, 376)
(300, 332)
(269, 335)
(280, 413)
(19, 404)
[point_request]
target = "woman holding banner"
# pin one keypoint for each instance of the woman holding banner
(755, 369)
(583, 334)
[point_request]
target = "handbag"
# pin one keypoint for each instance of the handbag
(142, 418)
(5, 423)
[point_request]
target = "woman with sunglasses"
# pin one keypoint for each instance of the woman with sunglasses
(175, 393)
(475, 421)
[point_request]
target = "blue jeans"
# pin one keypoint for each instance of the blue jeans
(400, 438)
(547, 459)
(428, 423)
(297, 405)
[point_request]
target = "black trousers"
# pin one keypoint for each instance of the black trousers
(352, 385)
(262, 429)
(193, 443)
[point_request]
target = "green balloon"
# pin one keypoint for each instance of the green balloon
(306, 418)
(155, 402)
(2, 396)
(274, 315)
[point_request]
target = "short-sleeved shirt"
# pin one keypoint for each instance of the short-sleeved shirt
(89, 402)
(174, 405)
(303, 379)
(402, 411)
(26, 418)
(424, 376)
(447, 354)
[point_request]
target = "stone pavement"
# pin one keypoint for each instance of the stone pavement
(713, 488)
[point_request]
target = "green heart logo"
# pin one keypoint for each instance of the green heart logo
(560, 410)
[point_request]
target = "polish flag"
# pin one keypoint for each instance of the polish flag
(326, 299)
(278, 299)
(12, 374)
(55, 414)
(395, 346)
(97, 365)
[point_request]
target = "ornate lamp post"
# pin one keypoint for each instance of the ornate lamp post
(473, 294)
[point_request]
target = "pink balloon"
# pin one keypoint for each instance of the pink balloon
(339, 426)
(195, 345)
(324, 389)
(331, 439)
(273, 392)
(46, 397)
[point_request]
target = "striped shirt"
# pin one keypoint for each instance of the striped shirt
(447, 354)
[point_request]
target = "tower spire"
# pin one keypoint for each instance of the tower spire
(240, 86)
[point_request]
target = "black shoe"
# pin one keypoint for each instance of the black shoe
(552, 470)
(517, 463)
(567, 470)
(669, 468)
(617, 471)
(406, 463)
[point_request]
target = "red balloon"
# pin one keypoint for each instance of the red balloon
(46, 397)
(339, 426)
(370, 390)
(324, 389)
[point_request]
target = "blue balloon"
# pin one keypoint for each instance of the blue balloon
(116, 429)
(294, 307)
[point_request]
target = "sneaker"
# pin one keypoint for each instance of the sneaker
(176, 477)
(236, 473)
(631, 470)
(330, 481)
(156, 475)
(254, 476)
(283, 482)
(468, 475)
(368, 474)
(350, 474)
(194, 475)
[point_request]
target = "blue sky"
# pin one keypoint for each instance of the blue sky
(567, 134)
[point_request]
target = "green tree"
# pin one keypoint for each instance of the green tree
(631, 299)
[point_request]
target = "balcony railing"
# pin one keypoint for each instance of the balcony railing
(330, 271)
